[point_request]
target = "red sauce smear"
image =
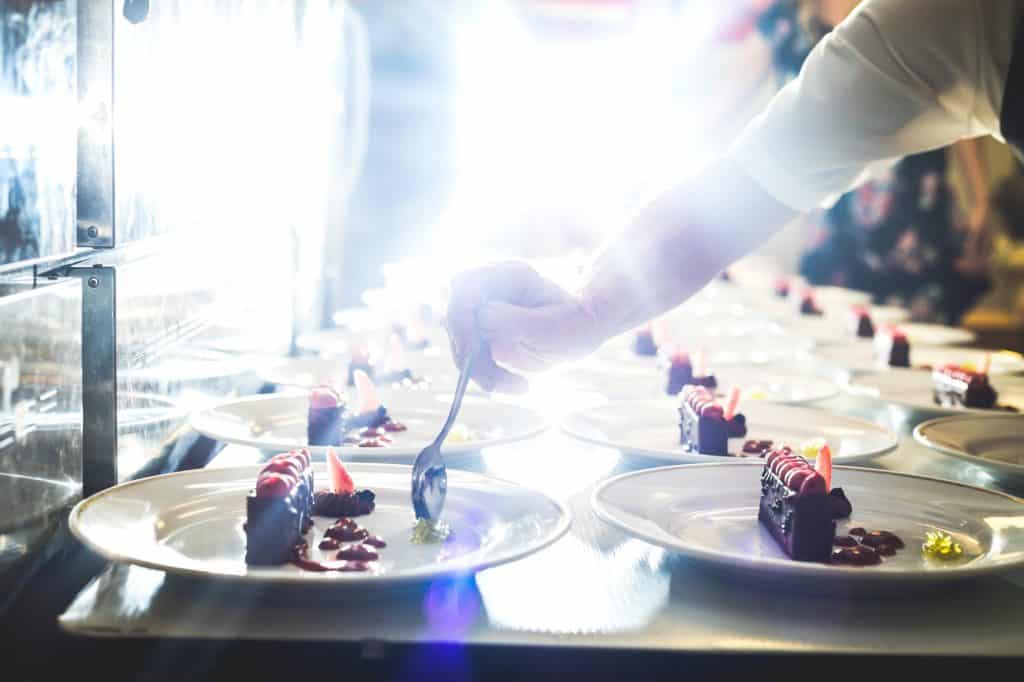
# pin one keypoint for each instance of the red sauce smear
(302, 560)
(358, 553)
(395, 427)
(375, 541)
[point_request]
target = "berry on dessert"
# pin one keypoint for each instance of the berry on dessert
(341, 498)
(860, 322)
(326, 417)
(892, 349)
(704, 426)
(956, 386)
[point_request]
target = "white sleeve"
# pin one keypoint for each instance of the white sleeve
(897, 77)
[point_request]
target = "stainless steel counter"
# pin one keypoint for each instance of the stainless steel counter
(596, 587)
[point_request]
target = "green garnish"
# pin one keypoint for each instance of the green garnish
(430, 532)
(941, 546)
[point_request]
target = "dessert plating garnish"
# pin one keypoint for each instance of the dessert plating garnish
(427, 532)
(940, 545)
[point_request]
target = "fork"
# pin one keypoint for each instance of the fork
(429, 476)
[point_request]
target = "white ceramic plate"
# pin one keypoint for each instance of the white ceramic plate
(880, 314)
(912, 388)
(651, 428)
(757, 382)
(718, 351)
(935, 334)
(989, 441)
(278, 422)
(314, 370)
(191, 523)
(832, 299)
(859, 356)
(709, 513)
(336, 342)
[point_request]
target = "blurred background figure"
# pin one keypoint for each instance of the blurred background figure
(915, 233)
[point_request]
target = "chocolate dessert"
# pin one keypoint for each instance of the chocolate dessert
(954, 386)
(861, 324)
(325, 423)
(795, 506)
(892, 348)
(680, 374)
(341, 498)
(644, 343)
(704, 426)
(808, 306)
(279, 509)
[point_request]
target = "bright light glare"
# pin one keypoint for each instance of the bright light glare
(558, 138)
(227, 121)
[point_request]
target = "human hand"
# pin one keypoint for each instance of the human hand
(527, 323)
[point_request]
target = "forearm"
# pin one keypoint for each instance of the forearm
(677, 243)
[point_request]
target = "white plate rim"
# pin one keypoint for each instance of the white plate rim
(196, 423)
(799, 569)
(693, 458)
(341, 579)
(853, 386)
(921, 437)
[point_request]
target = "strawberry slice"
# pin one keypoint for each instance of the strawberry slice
(824, 466)
(341, 482)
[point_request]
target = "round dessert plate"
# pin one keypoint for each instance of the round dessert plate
(310, 371)
(709, 513)
(822, 330)
(756, 382)
(859, 356)
(831, 299)
(336, 342)
(651, 428)
(191, 523)
(880, 314)
(993, 442)
(278, 422)
(719, 351)
(912, 388)
(935, 334)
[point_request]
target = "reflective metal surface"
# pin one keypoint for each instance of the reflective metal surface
(596, 587)
(37, 130)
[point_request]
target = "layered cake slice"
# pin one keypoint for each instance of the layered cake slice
(682, 372)
(705, 426)
(278, 509)
(892, 349)
(955, 386)
(796, 507)
(325, 422)
(860, 322)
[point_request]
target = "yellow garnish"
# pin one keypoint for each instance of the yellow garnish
(941, 546)
(756, 394)
(430, 532)
(460, 433)
(969, 366)
(811, 448)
